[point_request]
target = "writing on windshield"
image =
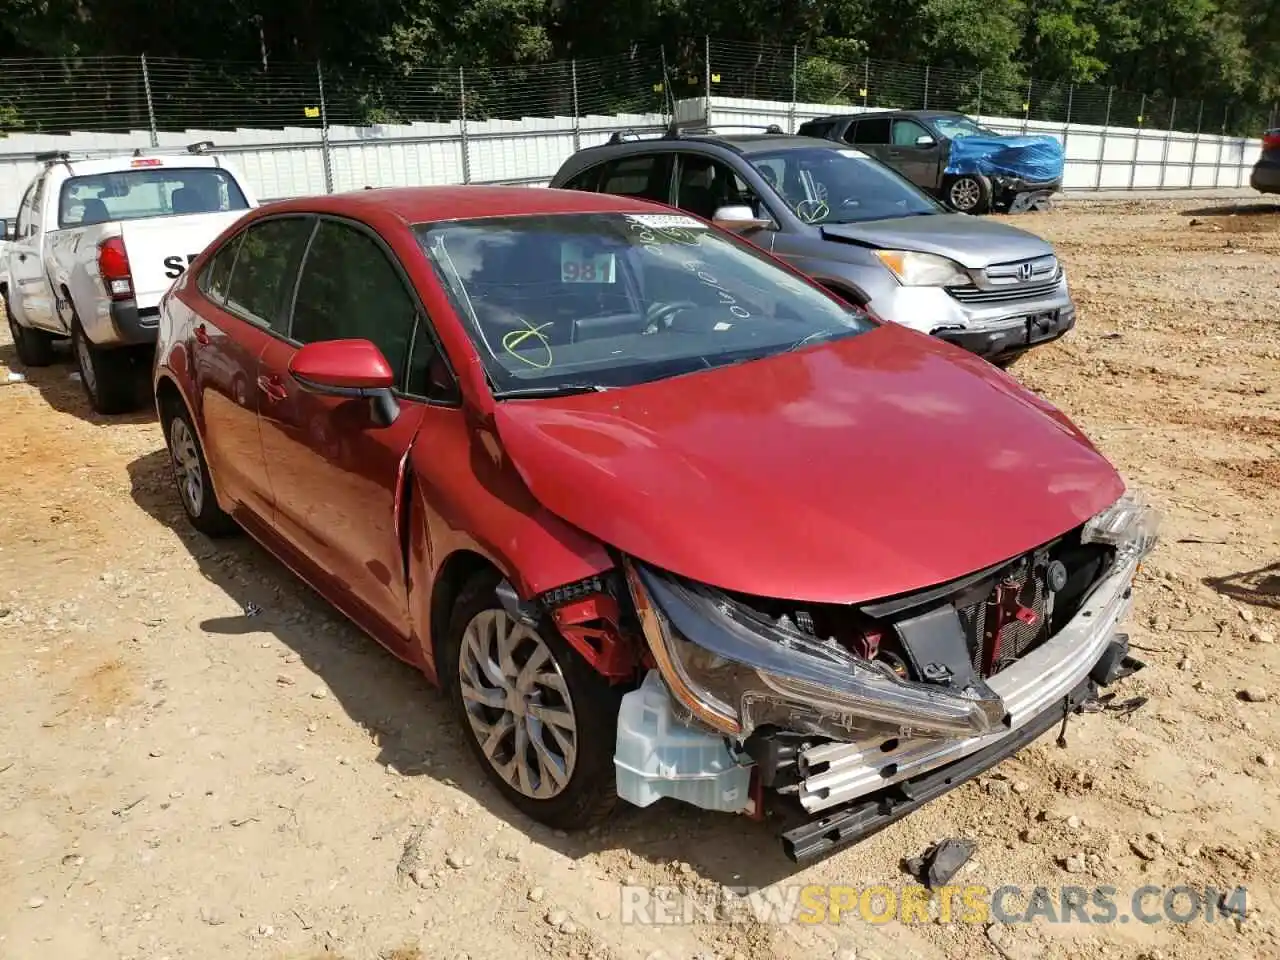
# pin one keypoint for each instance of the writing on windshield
(668, 296)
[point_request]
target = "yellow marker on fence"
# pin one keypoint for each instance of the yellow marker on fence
(862, 92)
(311, 112)
(715, 78)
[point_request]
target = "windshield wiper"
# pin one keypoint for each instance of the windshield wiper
(550, 390)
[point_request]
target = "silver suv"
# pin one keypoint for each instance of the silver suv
(853, 224)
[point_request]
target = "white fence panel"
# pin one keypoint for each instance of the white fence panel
(291, 161)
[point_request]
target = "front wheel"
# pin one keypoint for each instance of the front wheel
(968, 193)
(540, 721)
(111, 378)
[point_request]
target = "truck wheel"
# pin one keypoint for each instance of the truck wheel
(539, 720)
(967, 193)
(110, 377)
(34, 347)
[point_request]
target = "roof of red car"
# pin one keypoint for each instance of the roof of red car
(426, 204)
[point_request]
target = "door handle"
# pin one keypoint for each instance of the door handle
(201, 334)
(272, 388)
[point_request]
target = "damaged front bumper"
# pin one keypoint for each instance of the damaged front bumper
(865, 744)
(835, 773)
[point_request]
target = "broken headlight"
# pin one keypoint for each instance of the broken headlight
(736, 670)
(1131, 525)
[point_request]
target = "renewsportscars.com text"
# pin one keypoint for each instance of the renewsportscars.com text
(974, 903)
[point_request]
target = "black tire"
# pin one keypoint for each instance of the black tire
(591, 792)
(202, 510)
(967, 193)
(112, 379)
(34, 347)
(1004, 363)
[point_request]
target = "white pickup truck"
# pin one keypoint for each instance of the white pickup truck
(96, 244)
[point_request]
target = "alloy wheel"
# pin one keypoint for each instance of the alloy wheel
(518, 704)
(187, 470)
(965, 193)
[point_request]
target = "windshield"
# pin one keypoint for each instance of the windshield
(957, 128)
(571, 302)
(150, 192)
(841, 185)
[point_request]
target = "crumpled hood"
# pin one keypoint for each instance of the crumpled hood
(974, 242)
(1038, 158)
(851, 471)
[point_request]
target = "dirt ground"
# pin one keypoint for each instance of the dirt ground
(181, 779)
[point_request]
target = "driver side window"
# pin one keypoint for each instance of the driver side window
(907, 132)
(349, 289)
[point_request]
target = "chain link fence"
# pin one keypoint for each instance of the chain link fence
(120, 94)
(796, 75)
(299, 128)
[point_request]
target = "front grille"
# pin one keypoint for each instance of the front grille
(1017, 637)
(1027, 291)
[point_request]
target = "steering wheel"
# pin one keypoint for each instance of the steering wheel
(659, 316)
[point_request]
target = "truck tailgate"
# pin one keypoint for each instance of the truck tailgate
(160, 248)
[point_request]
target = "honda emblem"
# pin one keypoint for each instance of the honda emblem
(1025, 270)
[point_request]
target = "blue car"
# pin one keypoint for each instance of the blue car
(970, 167)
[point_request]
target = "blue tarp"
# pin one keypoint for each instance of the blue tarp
(1035, 158)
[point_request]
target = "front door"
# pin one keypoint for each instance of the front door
(336, 474)
(29, 291)
(912, 156)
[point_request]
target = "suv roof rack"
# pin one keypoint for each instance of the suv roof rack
(675, 130)
(66, 156)
(702, 129)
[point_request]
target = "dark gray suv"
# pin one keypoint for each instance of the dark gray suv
(853, 224)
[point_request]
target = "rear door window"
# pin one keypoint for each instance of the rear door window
(586, 180)
(647, 176)
(265, 269)
(871, 132)
(815, 129)
(214, 278)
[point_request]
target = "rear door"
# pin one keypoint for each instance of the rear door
(337, 476)
(245, 288)
(871, 135)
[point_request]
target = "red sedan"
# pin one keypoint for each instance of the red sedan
(663, 516)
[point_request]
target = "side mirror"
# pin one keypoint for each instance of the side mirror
(740, 219)
(348, 368)
(924, 140)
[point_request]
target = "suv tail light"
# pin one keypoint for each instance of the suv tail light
(1271, 140)
(113, 265)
